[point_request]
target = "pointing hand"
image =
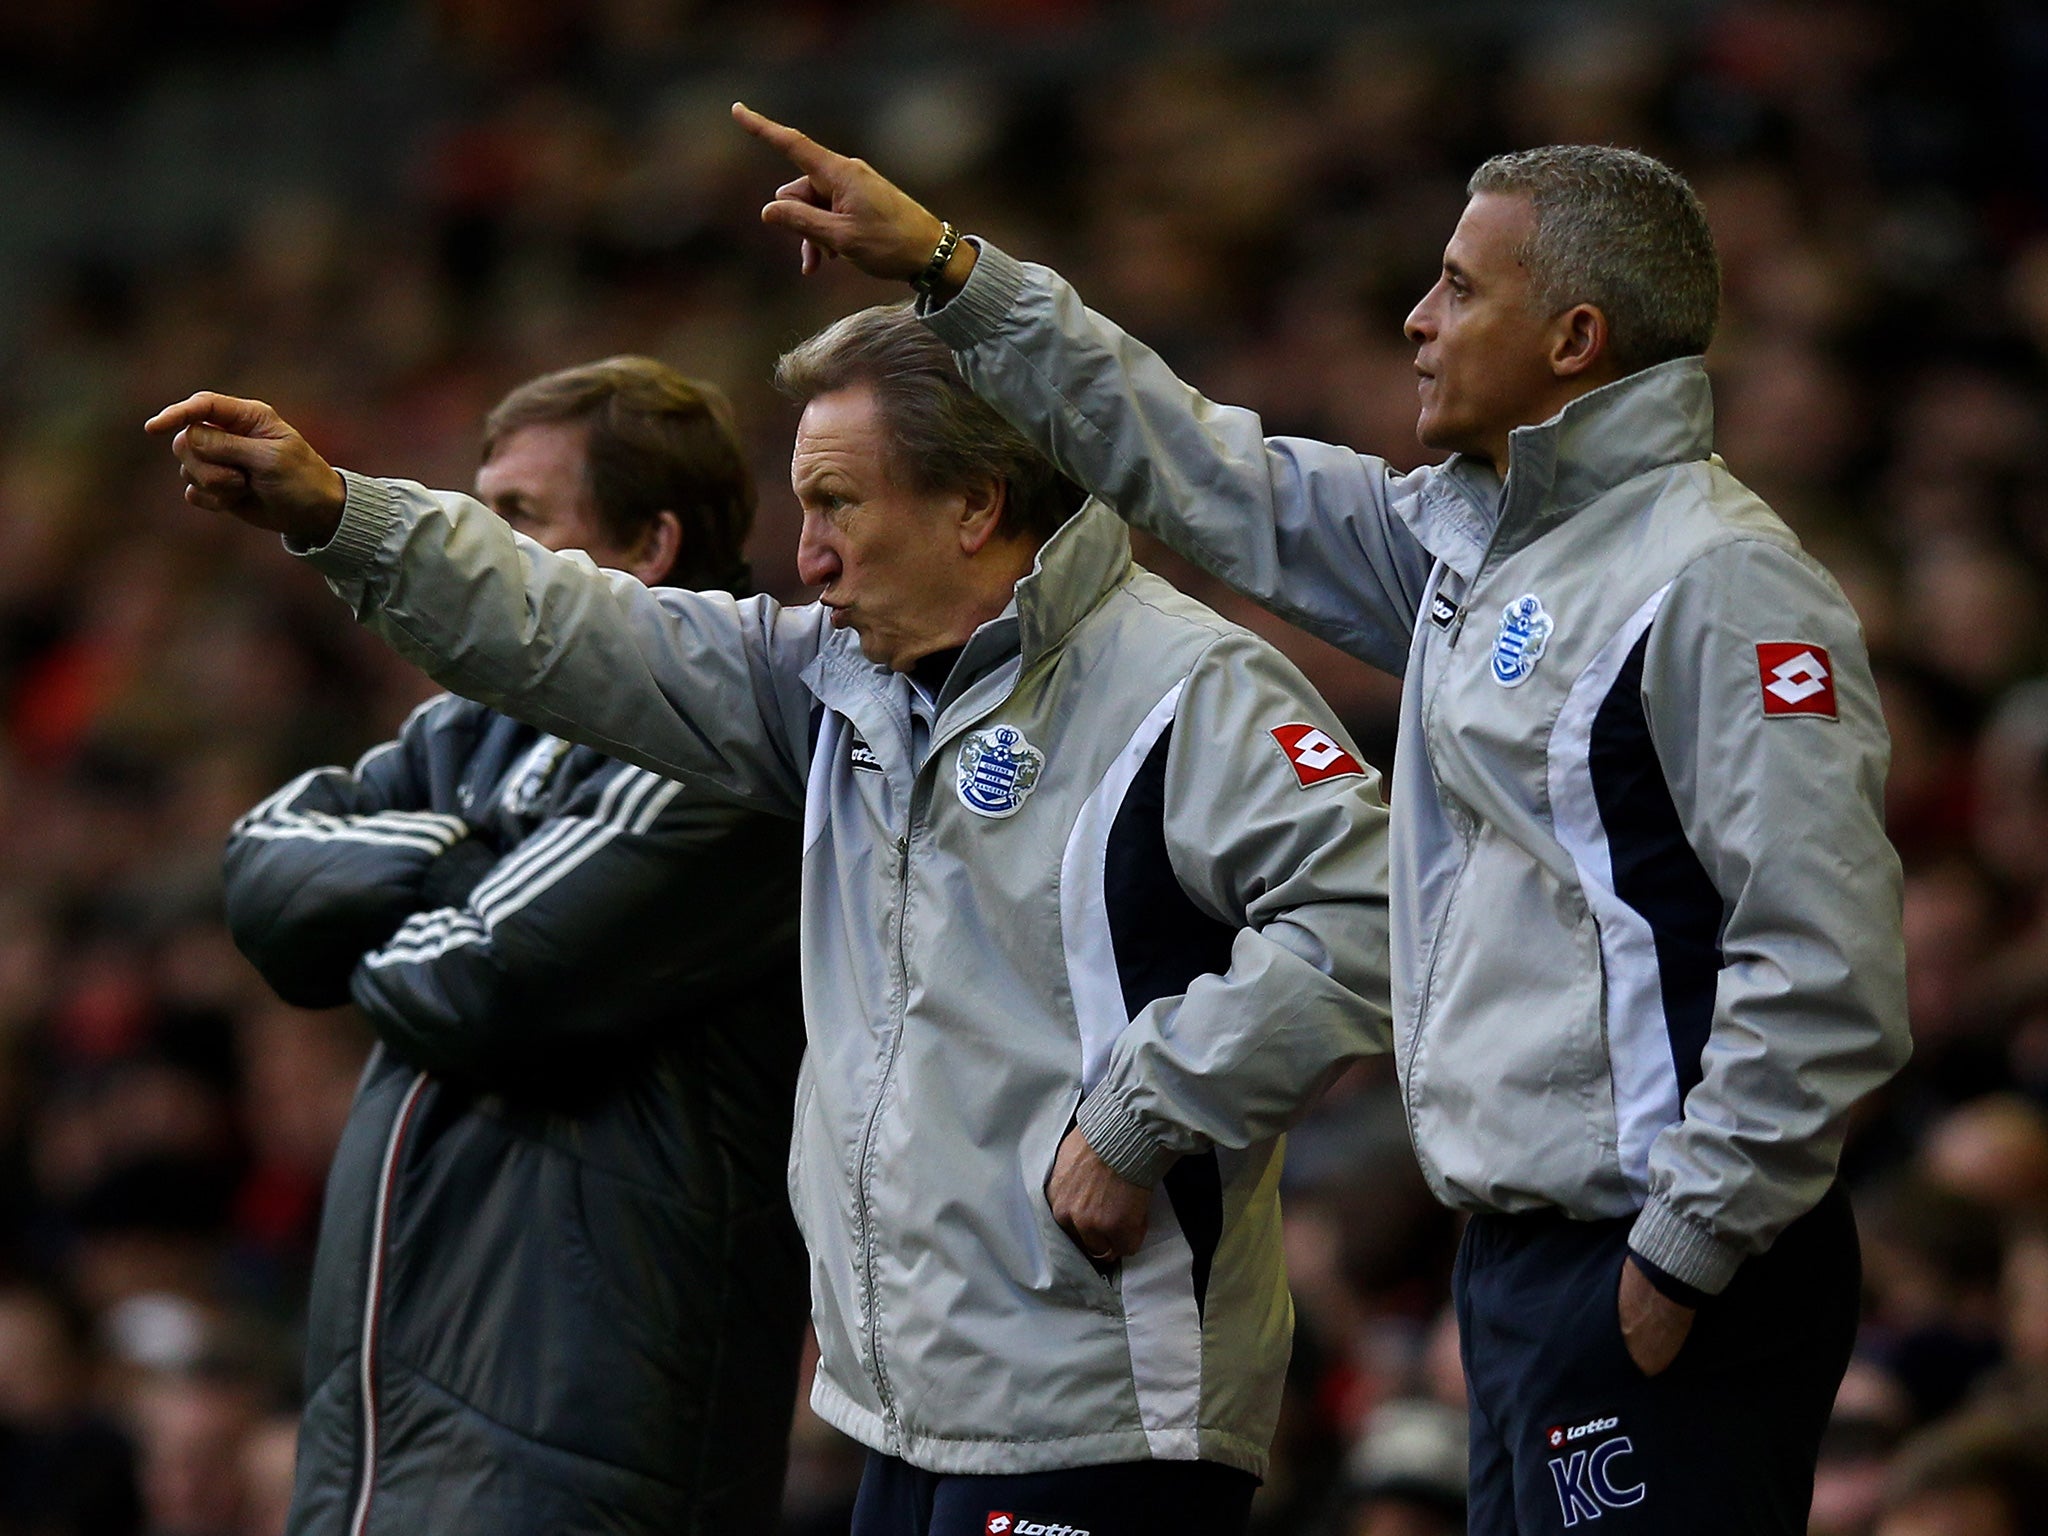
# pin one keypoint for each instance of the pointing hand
(240, 457)
(845, 207)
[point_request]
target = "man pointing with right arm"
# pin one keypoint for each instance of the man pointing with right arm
(1645, 920)
(1093, 904)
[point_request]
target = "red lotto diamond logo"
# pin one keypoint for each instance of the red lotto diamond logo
(999, 1522)
(1797, 678)
(1313, 754)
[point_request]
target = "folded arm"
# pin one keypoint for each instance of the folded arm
(331, 864)
(596, 931)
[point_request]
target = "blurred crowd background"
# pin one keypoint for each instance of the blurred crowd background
(380, 215)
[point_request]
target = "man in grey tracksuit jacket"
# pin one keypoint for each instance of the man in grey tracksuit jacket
(1120, 869)
(1571, 958)
(1645, 925)
(966, 985)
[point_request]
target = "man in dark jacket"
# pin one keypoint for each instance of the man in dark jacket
(558, 1288)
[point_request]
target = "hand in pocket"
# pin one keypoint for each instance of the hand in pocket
(1101, 1210)
(1653, 1326)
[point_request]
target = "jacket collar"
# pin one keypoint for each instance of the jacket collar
(1081, 564)
(1659, 416)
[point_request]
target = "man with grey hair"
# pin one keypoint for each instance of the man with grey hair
(1646, 935)
(1093, 904)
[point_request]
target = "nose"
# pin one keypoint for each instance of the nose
(1420, 325)
(816, 562)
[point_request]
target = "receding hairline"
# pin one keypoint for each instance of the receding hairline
(873, 432)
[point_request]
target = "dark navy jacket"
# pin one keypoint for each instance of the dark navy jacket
(558, 1287)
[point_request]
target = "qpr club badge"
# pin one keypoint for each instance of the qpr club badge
(998, 767)
(1524, 632)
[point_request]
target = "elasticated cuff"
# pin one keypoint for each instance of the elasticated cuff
(1668, 1286)
(366, 517)
(1120, 1139)
(983, 303)
(1667, 1241)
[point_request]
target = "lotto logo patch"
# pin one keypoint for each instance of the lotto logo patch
(1796, 677)
(1558, 1434)
(1314, 755)
(1002, 1523)
(999, 1522)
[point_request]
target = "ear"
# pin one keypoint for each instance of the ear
(657, 549)
(1578, 345)
(981, 514)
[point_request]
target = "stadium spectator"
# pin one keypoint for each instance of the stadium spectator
(1979, 1475)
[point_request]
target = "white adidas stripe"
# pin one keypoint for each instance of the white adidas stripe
(630, 804)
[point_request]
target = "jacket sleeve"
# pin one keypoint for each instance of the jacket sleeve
(1782, 807)
(1299, 871)
(332, 863)
(697, 684)
(1305, 529)
(640, 903)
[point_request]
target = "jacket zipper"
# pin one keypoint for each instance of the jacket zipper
(1500, 517)
(867, 1138)
(380, 1234)
(1462, 823)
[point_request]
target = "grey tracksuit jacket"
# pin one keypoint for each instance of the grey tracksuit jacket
(1646, 942)
(1125, 868)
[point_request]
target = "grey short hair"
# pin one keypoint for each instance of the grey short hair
(941, 435)
(1620, 230)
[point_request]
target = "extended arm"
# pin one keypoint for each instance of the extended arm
(1306, 529)
(331, 864)
(694, 683)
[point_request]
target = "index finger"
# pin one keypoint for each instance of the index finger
(230, 411)
(807, 152)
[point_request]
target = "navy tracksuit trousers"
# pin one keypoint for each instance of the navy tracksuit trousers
(1569, 1435)
(1132, 1498)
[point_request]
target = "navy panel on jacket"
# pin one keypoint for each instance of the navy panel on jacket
(1655, 869)
(1163, 941)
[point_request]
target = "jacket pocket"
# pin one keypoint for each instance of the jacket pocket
(1075, 1276)
(1509, 1088)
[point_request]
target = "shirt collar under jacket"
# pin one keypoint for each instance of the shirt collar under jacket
(1650, 419)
